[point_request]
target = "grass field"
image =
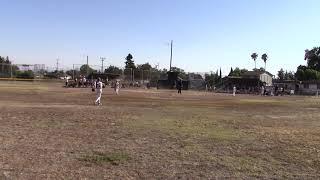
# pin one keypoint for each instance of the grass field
(49, 132)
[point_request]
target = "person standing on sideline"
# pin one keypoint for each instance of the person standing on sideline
(234, 90)
(84, 82)
(262, 90)
(98, 87)
(179, 86)
(117, 87)
(67, 81)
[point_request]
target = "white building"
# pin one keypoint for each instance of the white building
(263, 76)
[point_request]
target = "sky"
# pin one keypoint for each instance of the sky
(206, 34)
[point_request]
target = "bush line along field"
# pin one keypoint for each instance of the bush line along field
(51, 132)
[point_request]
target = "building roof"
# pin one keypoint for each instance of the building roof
(256, 73)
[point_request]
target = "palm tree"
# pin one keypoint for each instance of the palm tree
(264, 57)
(254, 56)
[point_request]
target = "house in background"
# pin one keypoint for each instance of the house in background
(309, 87)
(286, 84)
(300, 87)
(263, 76)
(249, 82)
(196, 81)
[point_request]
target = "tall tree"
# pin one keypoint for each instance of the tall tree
(281, 74)
(113, 70)
(231, 72)
(163, 74)
(312, 70)
(84, 69)
(238, 72)
(289, 75)
(254, 56)
(220, 76)
(264, 57)
(212, 78)
(129, 62)
(313, 58)
(2, 64)
(6, 66)
(143, 71)
(182, 73)
(7, 61)
(145, 66)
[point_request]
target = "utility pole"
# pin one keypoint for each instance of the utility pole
(171, 55)
(102, 59)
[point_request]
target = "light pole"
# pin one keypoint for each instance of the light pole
(102, 59)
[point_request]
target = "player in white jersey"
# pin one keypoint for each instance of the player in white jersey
(98, 87)
(117, 87)
(234, 91)
(84, 82)
(262, 91)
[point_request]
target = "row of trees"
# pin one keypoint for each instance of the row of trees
(285, 75)
(5, 65)
(311, 71)
(140, 69)
(237, 72)
(213, 79)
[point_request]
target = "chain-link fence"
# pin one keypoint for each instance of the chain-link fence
(137, 77)
(131, 77)
(83, 70)
(25, 71)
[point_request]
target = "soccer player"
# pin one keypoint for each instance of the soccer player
(98, 87)
(66, 80)
(234, 90)
(179, 86)
(117, 87)
(262, 91)
(84, 81)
